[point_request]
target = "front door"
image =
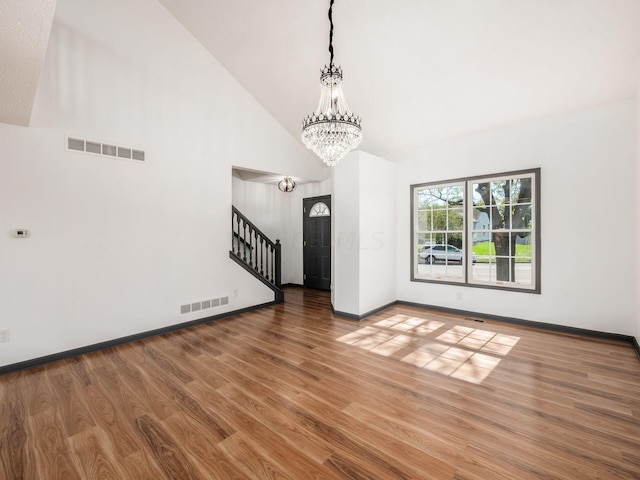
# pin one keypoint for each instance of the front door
(317, 242)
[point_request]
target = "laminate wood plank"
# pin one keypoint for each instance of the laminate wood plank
(280, 380)
(35, 392)
(315, 425)
(109, 418)
(207, 371)
(141, 465)
(278, 447)
(270, 453)
(167, 453)
(53, 457)
(558, 427)
(74, 414)
(390, 454)
(93, 455)
(78, 368)
(192, 344)
(292, 391)
(201, 448)
(313, 446)
(17, 458)
(270, 370)
(431, 441)
(126, 399)
(208, 419)
(137, 383)
(254, 464)
(168, 365)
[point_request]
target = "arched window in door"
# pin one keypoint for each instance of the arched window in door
(320, 209)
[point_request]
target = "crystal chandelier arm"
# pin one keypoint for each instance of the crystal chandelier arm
(331, 34)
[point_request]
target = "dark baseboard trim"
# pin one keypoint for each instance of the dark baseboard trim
(292, 285)
(122, 340)
(352, 316)
(636, 346)
(582, 332)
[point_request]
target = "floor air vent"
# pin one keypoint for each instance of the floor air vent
(109, 150)
(470, 319)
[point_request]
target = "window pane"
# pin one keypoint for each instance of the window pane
(523, 248)
(456, 195)
(424, 221)
(521, 190)
(456, 219)
(521, 217)
(440, 220)
(479, 194)
(424, 199)
(319, 209)
(455, 240)
(438, 198)
(523, 272)
(499, 192)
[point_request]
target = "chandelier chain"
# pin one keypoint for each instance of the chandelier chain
(331, 34)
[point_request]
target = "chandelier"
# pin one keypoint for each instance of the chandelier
(332, 130)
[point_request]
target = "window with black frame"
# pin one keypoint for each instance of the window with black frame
(478, 231)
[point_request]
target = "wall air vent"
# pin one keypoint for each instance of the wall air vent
(93, 147)
(203, 305)
(75, 144)
(124, 152)
(107, 149)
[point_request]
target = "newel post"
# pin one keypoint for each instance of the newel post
(277, 262)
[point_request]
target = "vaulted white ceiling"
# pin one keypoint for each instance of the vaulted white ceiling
(24, 34)
(423, 70)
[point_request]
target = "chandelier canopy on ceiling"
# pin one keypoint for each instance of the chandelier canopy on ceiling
(332, 130)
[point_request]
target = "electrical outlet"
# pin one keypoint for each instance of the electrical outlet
(459, 296)
(5, 335)
(236, 292)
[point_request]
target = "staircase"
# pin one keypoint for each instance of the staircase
(256, 253)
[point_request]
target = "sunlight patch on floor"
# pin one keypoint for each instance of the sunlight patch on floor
(461, 352)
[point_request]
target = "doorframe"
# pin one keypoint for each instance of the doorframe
(318, 198)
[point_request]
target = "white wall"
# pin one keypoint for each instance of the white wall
(364, 209)
(377, 232)
(345, 229)
(588, 223)
(117, 246)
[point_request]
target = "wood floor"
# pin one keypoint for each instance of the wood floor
(291, 392)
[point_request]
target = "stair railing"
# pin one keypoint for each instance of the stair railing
(255, 251)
